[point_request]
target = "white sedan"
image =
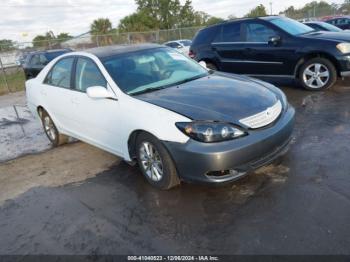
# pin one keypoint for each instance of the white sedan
(152, 105)
(182, 45)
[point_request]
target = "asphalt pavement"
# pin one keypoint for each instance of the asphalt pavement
(104, 206)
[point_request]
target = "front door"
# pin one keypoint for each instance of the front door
(96, 120)
(261, 56)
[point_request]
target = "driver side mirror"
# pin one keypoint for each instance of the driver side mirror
(100, 92)
(275, 40)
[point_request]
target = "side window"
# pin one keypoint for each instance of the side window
(256, 32)
(205, 36)
(43, 60)
(35, 60)
(87, 75)
(60, 74)
(231, 32)
(172, 44)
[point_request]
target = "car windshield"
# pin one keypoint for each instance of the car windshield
(330, 27)
(186, 42)
(291, 26)
(152, 69)
(52, 55)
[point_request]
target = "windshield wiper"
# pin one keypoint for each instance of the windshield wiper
(147, 90)
(151, 89)
(189, 79)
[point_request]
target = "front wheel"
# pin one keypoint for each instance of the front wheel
(155, 162)
(317, 74)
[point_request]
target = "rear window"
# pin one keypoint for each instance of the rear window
(206, 36)
(231, 32)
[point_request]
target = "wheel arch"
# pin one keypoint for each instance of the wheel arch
(39, 110)
(132, 143)
(311, 55)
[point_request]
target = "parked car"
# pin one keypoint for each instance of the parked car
(153, 105)
(343, 22)
(323, 26)
(182, 45)
(20, 60)
(36, 61)
(276, 47)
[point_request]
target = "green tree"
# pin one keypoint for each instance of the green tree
(260, 10)
(137, 22)
(63, 37)
(100, 28)
(6, 45)
(214, 20)
(44, 41)
(164, 14)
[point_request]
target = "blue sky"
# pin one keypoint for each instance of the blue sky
(33, 17)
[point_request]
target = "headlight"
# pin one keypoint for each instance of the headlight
(344, 47)
(210, 132)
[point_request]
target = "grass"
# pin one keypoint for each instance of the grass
(15, 80)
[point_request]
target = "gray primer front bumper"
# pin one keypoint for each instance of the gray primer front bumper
(195, 159)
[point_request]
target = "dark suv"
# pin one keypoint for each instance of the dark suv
(36, 61)
(275, 47)
(342, 22)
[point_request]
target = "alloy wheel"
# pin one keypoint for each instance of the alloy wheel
(316, 75)
(151, 162)
(49, 128)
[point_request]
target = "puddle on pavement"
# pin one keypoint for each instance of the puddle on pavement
(20, 133)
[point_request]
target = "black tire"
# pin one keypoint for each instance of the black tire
(55, 137)
(169, 177)
(325, 65)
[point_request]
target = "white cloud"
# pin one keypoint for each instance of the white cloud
(74, 16)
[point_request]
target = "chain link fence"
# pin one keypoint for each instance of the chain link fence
(12, 57)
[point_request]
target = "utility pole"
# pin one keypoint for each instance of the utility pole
(270, 8)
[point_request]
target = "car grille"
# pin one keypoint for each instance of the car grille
(263, 118)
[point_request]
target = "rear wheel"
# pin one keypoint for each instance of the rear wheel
(155, 162)
(318, 74)
(51, 131)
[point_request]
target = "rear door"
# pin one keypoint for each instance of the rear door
(228, 46)
(57, 93)
(95, 120)
(260, 56)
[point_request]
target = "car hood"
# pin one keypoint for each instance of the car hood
(218, 97)
(326, 35)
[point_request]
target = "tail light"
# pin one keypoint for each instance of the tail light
(191, 54)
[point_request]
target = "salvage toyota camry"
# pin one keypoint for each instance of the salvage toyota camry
(153, 106)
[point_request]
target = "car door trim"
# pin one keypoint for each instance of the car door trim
(238, 43)
(274, 76)
(251, 61)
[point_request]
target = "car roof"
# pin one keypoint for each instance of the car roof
(315, 22)
(47, 51)
(106, 51)
(268, 18)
